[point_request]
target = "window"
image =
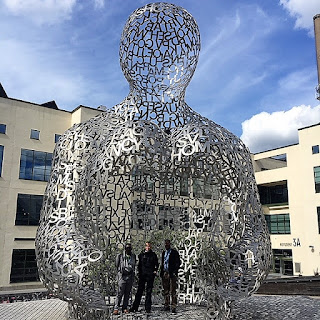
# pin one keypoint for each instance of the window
(315, 149)
(184, 188)
(3, 128)
(142, 181)
(28, 209)
(56, 137)
(274, 194)
(198, 187)
(205, 188)
(1, 158)
(316, 171)
(35, 134)
(24, 266)
(318, 212)
(35, 165)
(270, 163)
(143, 216)
(278, 223)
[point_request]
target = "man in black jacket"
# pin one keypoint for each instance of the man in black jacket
(147, 270)
(170, 263)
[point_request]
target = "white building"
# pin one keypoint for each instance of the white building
(28, 132)
(288, 180)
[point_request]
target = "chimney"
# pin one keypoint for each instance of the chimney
(316, 20)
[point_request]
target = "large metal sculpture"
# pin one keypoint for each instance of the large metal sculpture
(150, 168)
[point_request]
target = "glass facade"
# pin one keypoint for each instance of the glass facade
(205, 189)
(35, 165)
(150, 217)
(278, 223)
(35, 134)
(24, 266)
(1, 159)
(271, 163)
(3, 128)
(316, 171)
(274, 194)
(28, 209)
(282, 261)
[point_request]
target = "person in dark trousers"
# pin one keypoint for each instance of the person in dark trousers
(125, 264)
(170, 263)
(147, 269)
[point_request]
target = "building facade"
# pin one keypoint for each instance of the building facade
(28, 132)
(288, 179)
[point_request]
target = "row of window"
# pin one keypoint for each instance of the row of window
(278, 194)
(34, 134)
(34, 165)
(278, 223)
(201, 188)
(24, 267)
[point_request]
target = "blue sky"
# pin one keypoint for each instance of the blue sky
(256, 74)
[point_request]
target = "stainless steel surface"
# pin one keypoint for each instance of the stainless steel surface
(152, 168)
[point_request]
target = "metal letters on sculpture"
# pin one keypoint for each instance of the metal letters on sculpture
(151, 168)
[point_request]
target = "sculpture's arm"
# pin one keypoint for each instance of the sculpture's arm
(62, 254)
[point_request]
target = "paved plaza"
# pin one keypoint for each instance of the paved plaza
(256, 307)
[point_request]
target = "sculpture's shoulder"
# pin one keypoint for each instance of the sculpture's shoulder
(201, 134)
(92, 129)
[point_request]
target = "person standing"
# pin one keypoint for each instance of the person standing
(125, 264)
(170, 263)
(147, 269)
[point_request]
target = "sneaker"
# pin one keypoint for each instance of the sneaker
(174, 310)
(166, 308)
(116, 312)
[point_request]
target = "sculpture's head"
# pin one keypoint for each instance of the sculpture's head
(159, 49)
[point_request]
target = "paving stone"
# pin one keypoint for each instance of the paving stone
(256, 307)
(52, 309)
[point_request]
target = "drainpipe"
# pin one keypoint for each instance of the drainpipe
(316, 20)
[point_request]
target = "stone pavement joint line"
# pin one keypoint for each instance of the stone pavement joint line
(254, 308)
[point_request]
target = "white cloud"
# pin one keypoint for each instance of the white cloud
(98, 4)
(303, 11)
(37, 75)
(265, 131)
(41, 11)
